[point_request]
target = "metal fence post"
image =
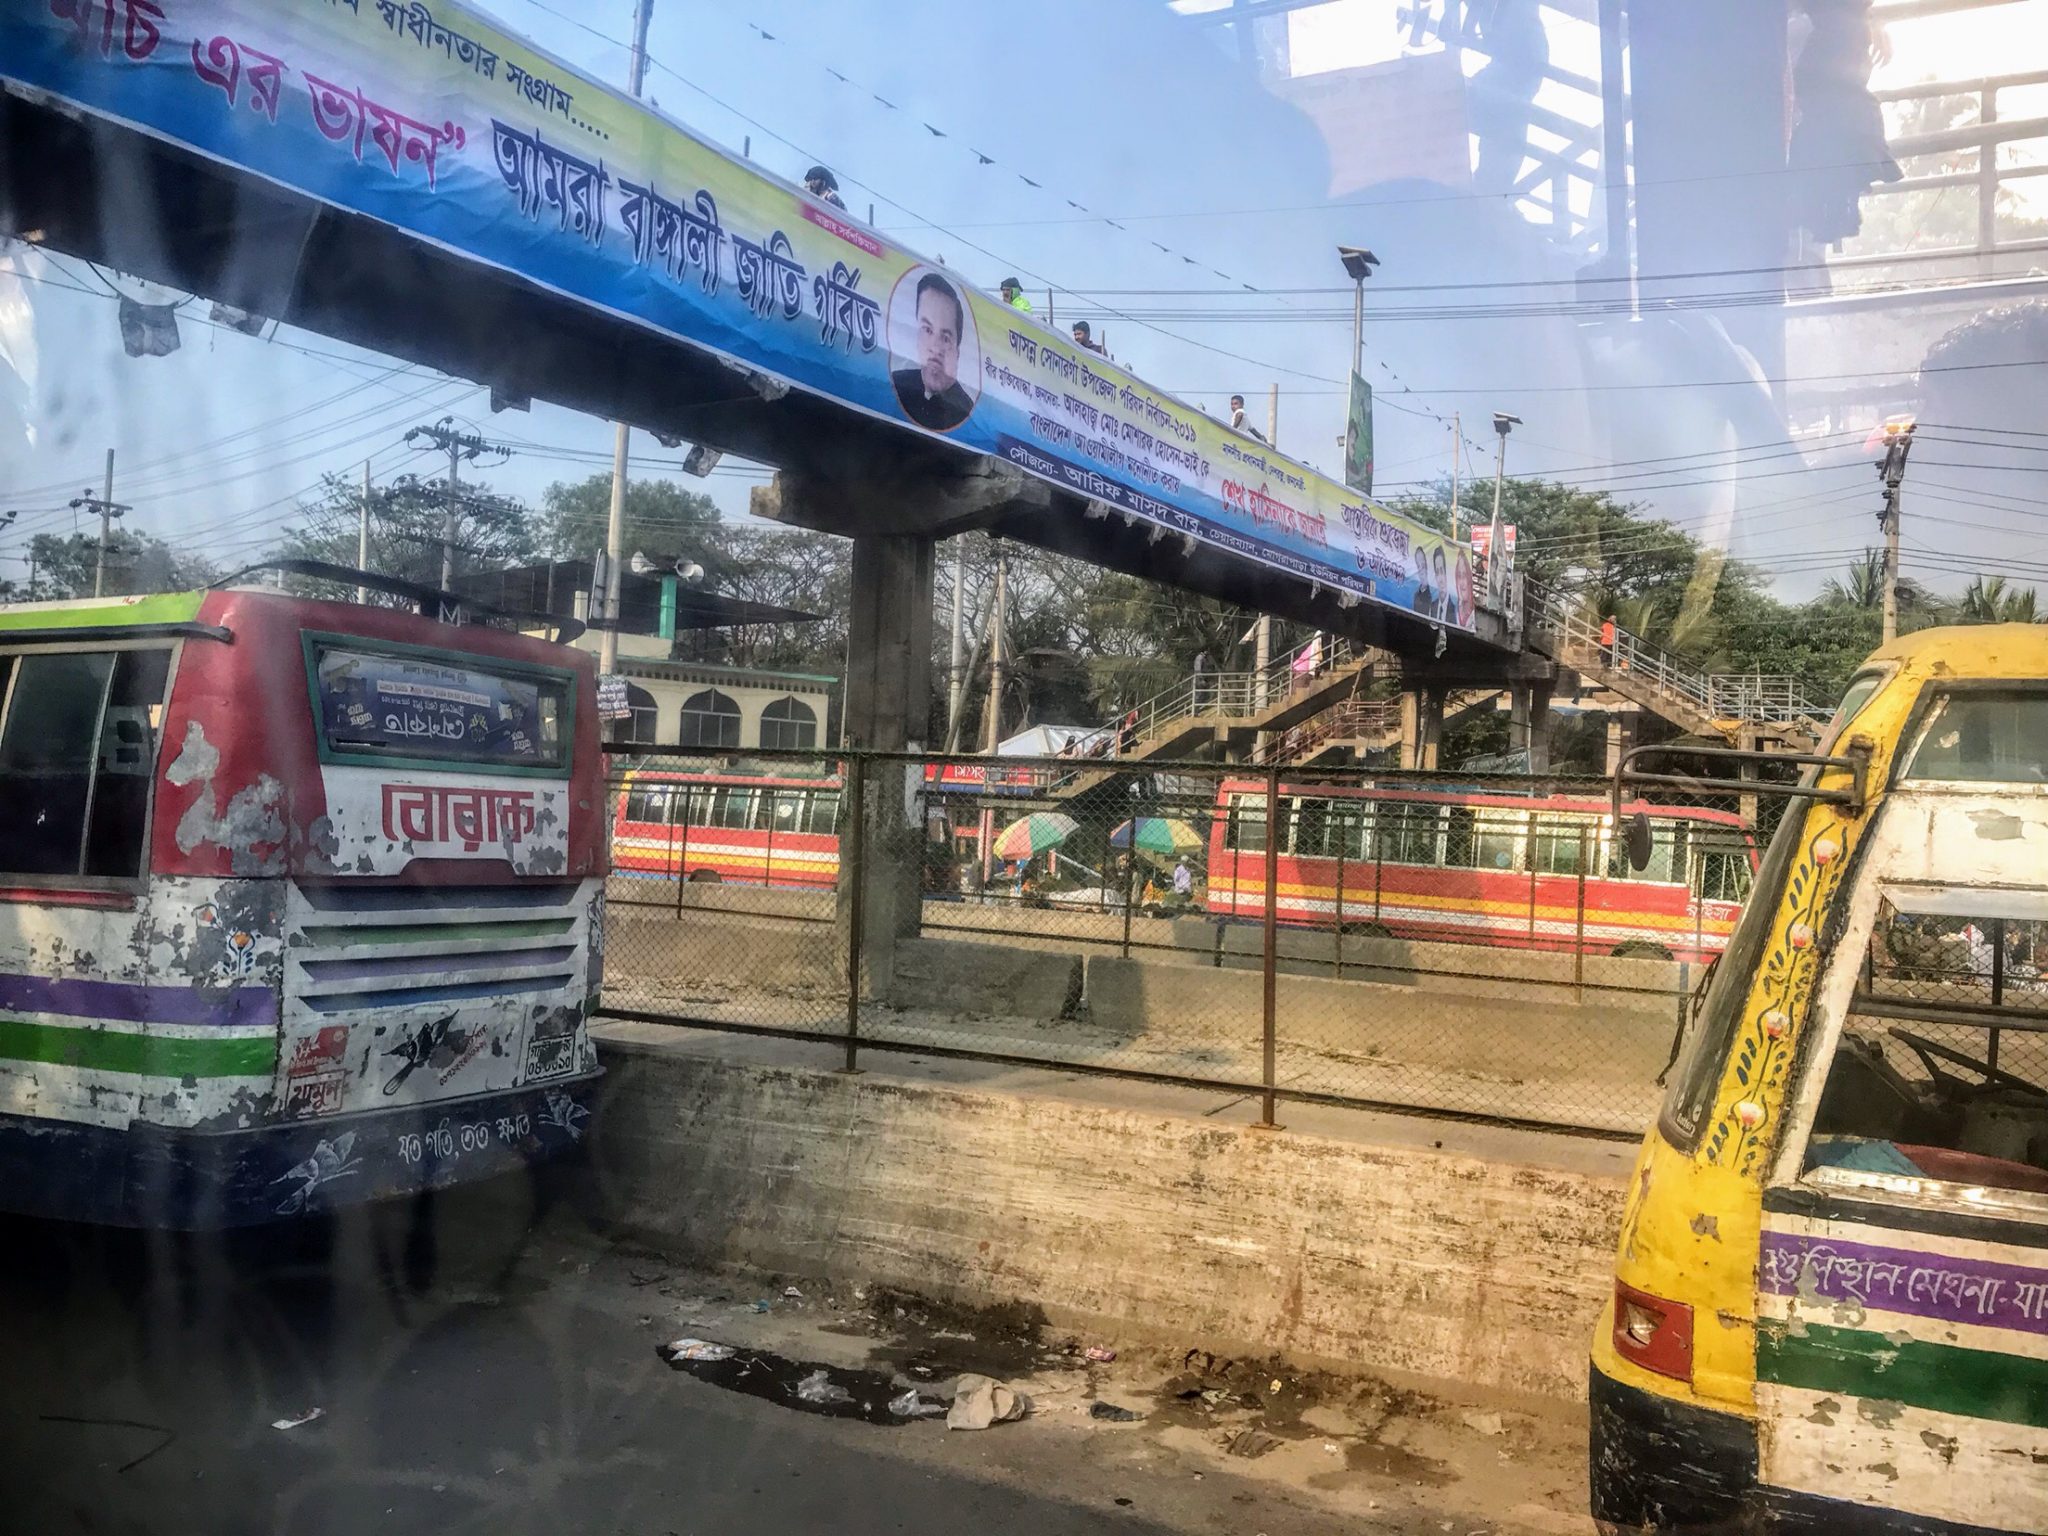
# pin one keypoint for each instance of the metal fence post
(1579, 949)
(688, 799)
(1272, 937)
(856, 850)
(668, 866)
(1130, 870)
(1338, 915)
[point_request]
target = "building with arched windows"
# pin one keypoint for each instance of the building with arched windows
(694, 706)
(703, 707)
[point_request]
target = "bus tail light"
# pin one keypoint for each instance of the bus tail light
(1653, 1333)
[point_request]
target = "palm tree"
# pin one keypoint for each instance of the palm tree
(1988, 600)
(1862, 586)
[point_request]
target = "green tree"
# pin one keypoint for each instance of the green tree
(663, 521)
(791, 568)
(406, 524)
(1988, 600)
(136, 562)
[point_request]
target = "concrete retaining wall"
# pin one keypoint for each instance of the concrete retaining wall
(1121, 1220)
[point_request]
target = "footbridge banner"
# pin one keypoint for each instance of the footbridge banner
(435, 121)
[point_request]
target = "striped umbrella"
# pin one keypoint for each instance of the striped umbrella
(1034, 834)
(1167, 836)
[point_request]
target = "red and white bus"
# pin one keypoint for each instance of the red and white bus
(721, 827)
(1494, 869)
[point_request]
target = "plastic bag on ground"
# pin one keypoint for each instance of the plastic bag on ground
(909, 1405)
(702, 1350)
(818, 1387)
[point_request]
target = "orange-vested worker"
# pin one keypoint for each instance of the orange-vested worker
(1607, 639)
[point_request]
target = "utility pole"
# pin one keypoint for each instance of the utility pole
(622, 435)
(108, 509)
(999, 648)
(955, 684)
(1898, 443)
(1503, 424)
(1262, 654)
(363, 535)
(458, 446)
(1457, 444)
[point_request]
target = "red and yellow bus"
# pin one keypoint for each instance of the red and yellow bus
(742, 829)
(1471, 868)
(301, 904)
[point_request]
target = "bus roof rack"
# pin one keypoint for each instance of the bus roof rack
(1855, 762)
(431, 602)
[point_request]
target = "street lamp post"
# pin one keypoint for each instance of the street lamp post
(1503, 424)
(1358, 265)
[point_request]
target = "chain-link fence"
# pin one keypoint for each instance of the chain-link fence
(1459, 944)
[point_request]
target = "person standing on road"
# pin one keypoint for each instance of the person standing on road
(1183, 882)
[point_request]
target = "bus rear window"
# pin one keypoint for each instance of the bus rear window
(433, 706)
(1984, 736)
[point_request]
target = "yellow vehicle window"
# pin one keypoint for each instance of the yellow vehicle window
(1984, 736)
(1861, 687)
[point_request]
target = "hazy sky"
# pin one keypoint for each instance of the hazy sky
(1110, 104)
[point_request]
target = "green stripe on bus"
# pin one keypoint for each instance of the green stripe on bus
(438, 933)
(112, 1050)
(162, 608)
(1975, 1383)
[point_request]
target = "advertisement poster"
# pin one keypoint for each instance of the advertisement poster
(376, 704)
(434, 120)
(1358, 438)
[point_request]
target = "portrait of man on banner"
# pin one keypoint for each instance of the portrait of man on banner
(931, 340)
(1358, 438)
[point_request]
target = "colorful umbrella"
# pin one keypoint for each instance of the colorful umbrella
(1034, 834)
(1167, 836)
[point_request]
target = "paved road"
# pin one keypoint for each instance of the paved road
(476, 1376)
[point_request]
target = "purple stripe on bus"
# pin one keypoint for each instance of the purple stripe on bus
(139, 1003)
(1921, 1284)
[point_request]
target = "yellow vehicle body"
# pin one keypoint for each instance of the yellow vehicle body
(1682, 1436)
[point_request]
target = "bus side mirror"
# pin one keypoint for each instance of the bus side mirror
(1638, 841)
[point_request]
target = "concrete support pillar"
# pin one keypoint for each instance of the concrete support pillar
(888, 705)
(1529, 723)
(1422, 727)
(1621, 735)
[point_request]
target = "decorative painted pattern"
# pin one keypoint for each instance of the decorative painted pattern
(131, 1051)
(1753, 1092)
(139, 1003)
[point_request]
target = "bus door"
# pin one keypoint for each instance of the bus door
(1902, 1278)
